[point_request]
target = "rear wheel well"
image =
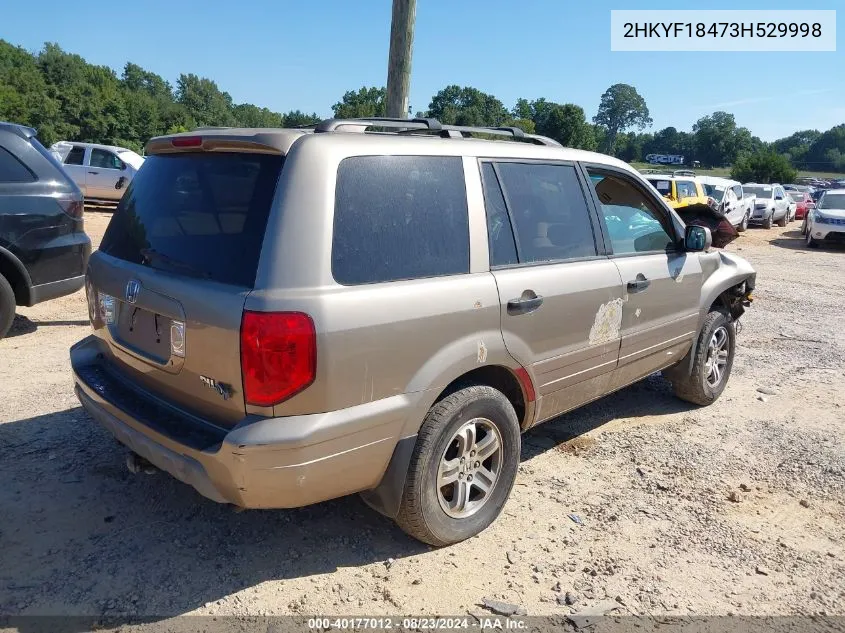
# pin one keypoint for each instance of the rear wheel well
(498, 377)
(16, 280)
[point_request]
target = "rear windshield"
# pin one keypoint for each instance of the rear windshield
(198, 214)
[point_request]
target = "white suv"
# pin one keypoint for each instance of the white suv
(827, 220)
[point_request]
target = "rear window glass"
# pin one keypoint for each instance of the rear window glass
(399, 217)
(13, 170)
(663, 186)
(198, 214)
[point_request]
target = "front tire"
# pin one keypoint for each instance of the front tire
(7, 306)
(743, 225)
(783, 221)
(767, 221)
(711, 366)
(811, 241)
(463, 467)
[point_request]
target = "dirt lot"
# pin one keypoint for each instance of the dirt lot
(737, 508)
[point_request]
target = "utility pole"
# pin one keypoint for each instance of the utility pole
(399, 62)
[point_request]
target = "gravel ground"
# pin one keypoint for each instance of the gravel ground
(637, 499)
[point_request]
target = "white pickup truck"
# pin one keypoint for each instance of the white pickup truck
(737, 205)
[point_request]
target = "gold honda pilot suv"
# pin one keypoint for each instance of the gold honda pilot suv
(383, 306)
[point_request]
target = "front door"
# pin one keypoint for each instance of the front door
(662, 283)
(560, 296)
(104, 170)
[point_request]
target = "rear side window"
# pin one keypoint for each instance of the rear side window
(75, 156)
(197, 214)
(399, 217)
(549, 212)
(13, 170)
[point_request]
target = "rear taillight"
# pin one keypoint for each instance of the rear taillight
(278, 355)
(72, 205)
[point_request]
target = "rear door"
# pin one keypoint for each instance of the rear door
(561, 298)
(176, 264)
(75, 166)
(662, 283)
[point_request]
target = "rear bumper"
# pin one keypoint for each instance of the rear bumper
(45, 292)
(262, 462)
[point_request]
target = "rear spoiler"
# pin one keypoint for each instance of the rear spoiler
(224, 140)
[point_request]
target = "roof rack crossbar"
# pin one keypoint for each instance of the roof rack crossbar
(427, 125)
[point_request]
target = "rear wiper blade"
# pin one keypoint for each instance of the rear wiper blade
(151, 254)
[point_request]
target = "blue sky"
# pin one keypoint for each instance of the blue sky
(288, 55)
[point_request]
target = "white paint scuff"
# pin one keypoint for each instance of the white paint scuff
(608, 323)
(482, 352)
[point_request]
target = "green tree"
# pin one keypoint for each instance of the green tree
(827, 151)
(766, 167)
(295, 118)
(621, 108)
(718, 141)
(565, 123)
(454, 105)
(364, 103)
(205, 103)
(248, 115)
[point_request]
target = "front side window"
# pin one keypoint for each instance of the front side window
(634, 222)
(105, 160)
(399, 217)
(548, 210)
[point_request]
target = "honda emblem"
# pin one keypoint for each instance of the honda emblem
(133, 287)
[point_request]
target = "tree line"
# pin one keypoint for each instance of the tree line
(66, 98)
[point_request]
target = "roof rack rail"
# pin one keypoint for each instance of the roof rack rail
(683, 172)
(426, 126)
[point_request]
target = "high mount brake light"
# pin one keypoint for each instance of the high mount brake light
(186, 141)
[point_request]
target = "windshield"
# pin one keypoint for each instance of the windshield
(197, 214)
(760, 192)
(717, 192)
(130, 157)
(833, 201)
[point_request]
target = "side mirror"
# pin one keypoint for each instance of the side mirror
(697, 238)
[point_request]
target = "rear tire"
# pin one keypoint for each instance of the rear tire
(431, 509)
(716, 347)
(7, 306)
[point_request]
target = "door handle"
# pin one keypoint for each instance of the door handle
(639, 284)
(94, 172)
(527, 302)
